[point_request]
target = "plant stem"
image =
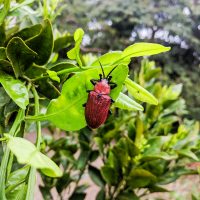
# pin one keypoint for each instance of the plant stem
(66, 71)
(5, 159)
(32, 173)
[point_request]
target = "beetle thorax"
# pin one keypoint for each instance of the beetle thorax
(102, 87)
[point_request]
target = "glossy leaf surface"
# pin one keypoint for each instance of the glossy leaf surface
(27, 153)
(20, 55)
(143, 49)
(139, 92)
(42, 43)
(74, 52)
(53, 75)
(15, 89)
(125, 102)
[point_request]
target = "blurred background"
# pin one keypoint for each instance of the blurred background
(113, 25)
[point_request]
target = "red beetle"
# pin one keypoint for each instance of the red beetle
(98, 104)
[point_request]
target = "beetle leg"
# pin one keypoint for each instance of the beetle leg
(112, 101)
(88, 91)
(84, 105)
(100, 75)
(110, 112)
(109, 79)
(112, 85)
(93, 81)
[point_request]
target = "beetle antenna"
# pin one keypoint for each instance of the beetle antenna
(102, 70)
(111, 72)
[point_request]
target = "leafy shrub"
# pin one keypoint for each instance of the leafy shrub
(138, 150)
(37, 84)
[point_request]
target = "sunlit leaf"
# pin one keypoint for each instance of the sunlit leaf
(27, 153)
(139, 92)
(143, 49)
(125, 102)
(15, 89)
(18, 193)
(107, 58)
(15, 179)
(74, 53)
(53, 75)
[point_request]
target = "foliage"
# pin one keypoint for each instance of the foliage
(116, 24)
(34, 78)
(137, 149)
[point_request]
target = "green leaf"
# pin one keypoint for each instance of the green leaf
(77, 196)
(113, 160)
(156, 188)
(74, 53)
(188, 153)
(154, 150)
(109, 175)
(3, 34)
(18, 193)
(2, 53)
(67, 112)
(63, 69)
(20, 55)
(63, 42)
(173, 175)
(139, 92)
(83, 159)
(99, 143)
(28, 32)
(94, 155)
(95, 175)
(140, 178)
(125, 102)
(4, 11)
(4, 98)
(6, 66)
(62, 66)
(15, 89)
(127, 195)
(152, 74)
(101, 195)
(16, 178)
(53, 75)
(107, 58)
(27, 153)
(143, 49)
(42, 44)
(63, 182)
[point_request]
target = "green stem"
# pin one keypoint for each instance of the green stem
(66, 71)
(32, 173)
(118, 189)
(5, 159)
(4, 11)
(45, 9)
